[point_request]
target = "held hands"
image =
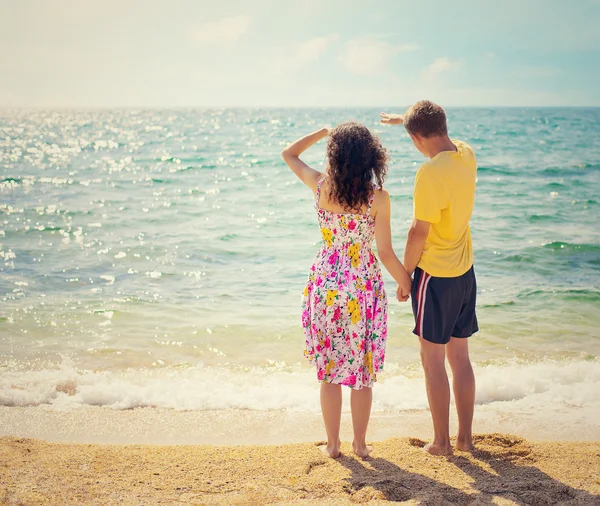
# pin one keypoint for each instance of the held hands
(392, 119)
(402, 294)
(403, 290)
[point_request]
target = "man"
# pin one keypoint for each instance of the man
(440, 254)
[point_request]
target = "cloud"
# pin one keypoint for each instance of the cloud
(441, 66)
(367, 56)
(223, 32)
(311, 50)
(290, 59)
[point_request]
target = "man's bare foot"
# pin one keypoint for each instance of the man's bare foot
(332, 451)
(465, 445)
(438, 450)
(362, 450)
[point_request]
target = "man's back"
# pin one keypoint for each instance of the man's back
(440, 256)
(444, 196)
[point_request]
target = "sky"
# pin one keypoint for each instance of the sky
(198, 53)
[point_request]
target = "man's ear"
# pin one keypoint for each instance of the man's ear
(417, 139)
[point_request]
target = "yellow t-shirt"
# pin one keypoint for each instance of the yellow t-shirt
(444, 196)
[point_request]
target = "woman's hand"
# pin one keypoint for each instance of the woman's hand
(391, 119)
(402, 294)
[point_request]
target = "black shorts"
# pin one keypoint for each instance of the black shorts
(444, 307)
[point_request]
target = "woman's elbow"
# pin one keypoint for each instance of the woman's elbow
(288, 156)
(385, 255)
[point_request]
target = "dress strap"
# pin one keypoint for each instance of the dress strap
(371, 199)
(318, 194)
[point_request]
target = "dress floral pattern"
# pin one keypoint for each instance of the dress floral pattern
(344, 304)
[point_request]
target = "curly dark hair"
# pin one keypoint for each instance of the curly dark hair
(356, 159)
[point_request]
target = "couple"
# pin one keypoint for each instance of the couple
(344, 304)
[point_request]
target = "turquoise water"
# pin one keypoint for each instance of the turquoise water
(156, 258)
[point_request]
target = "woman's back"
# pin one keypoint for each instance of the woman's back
(340, 229)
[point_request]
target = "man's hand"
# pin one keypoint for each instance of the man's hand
(401, 294)
(392, 119)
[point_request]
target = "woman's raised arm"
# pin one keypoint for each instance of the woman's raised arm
(291, 156)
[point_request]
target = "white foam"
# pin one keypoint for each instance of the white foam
(553, 387)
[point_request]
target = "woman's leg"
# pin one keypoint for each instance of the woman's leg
(360, 402)
(331, 406)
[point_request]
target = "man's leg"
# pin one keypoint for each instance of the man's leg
(438, 394)
(463, 384)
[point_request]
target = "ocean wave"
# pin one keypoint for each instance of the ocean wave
(572, 170)
(520, 259)
(586, 248)
(543, 217)
(544, 384)
(496, 170)
(578, 295)
(573, 254)
(548, 255)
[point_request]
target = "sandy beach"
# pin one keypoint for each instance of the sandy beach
(504, 470)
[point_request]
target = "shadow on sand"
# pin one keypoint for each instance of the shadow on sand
(505, 472)
(502, 473)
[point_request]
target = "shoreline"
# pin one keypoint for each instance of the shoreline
(503, 470)
(159, 426)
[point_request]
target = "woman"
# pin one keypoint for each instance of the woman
(344, 305)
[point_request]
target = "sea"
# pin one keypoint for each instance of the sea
(152, 261)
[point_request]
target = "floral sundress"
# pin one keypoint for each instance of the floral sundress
(344, 304)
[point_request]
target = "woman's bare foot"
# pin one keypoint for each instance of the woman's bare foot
(438, 450)
(331, 450)
(362, 450)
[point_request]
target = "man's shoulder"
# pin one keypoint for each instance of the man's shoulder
(464, 147)
(432, 168)
(426, 169)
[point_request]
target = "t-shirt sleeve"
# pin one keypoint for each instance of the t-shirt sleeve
(430, 197)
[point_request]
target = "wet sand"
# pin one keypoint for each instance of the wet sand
(504, 470)
(157, 426)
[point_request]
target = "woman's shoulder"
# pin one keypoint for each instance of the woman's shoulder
(380, 194)
(381, 198)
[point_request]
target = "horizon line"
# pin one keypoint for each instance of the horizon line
(214, 107)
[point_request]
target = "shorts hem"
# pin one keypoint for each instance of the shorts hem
(465, 335)
(429, 340)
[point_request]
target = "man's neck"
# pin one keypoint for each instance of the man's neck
(436, 145)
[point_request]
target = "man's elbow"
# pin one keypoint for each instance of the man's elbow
(417, 233)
